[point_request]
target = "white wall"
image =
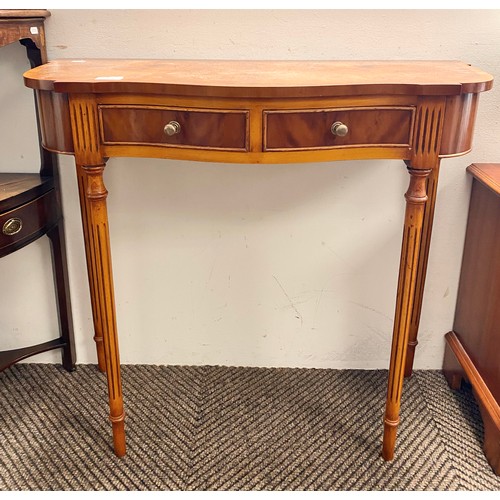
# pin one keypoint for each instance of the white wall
(285, 265)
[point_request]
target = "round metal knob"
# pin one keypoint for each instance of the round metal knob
(340, 129)
(172, 128)
(12, 226)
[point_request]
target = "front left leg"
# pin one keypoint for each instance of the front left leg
(101, 268)
(90, 168)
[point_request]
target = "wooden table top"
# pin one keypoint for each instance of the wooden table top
(225, 78)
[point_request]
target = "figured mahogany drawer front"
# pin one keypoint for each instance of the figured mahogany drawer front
(312, 128)
(189, 128)
(24, 221)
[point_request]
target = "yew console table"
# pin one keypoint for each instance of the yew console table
(259, 112)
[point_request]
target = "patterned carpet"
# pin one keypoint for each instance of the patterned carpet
(217, 428)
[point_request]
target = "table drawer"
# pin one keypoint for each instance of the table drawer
(190, 128)
(24, 222)
(312, 128)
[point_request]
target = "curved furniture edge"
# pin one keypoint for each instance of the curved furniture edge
(458, 365)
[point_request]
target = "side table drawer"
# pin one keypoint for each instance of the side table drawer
(312, 128)
(28, 221)
(191, 128)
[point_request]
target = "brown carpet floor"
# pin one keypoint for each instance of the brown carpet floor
(223, 428)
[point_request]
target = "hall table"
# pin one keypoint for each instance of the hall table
(259, 112)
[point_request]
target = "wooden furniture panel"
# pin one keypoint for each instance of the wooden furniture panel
(30, 204)
(460, 117)
(413, 111)
(55, 130)
(315, 129)
(16, 26)
(473, 347)
(197, 128)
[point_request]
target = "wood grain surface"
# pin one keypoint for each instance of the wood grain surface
(259, 78)
(486, 173)
(472, 347)
(24, 13)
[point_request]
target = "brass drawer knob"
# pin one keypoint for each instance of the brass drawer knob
(12, 226)
(340, 129)
(172, 128)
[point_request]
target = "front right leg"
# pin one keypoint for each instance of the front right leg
(412, 234)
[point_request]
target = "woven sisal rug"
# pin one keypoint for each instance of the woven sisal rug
(218, 428)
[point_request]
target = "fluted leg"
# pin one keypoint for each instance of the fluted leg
(425, 242)
(103, 294)
(91, 270)
(410, 258)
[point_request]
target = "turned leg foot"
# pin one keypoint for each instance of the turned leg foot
(118, 425)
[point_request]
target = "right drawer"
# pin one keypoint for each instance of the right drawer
(315, 128)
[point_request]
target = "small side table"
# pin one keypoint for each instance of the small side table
(473, 347)
(30, 203)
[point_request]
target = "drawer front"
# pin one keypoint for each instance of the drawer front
(23, 222)
(196, 128)
(312, 128)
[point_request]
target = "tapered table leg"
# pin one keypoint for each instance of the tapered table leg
(100, 268)
(91, 271)
(425, 242)
(90, 168)
(412, 234)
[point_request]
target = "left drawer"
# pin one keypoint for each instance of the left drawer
(26, 222)
(174, 127)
